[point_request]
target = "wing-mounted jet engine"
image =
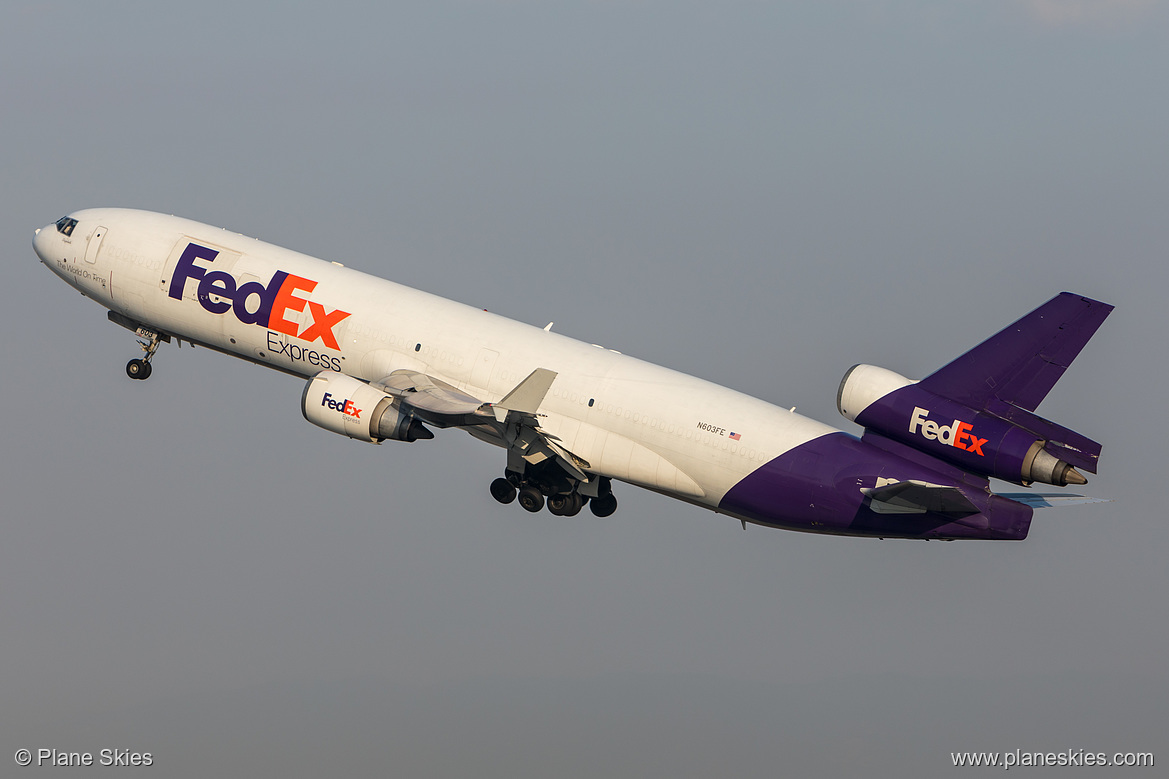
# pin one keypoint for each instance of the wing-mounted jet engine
(342, 404)
(976, 412)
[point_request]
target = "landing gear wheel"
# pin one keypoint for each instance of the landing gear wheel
(603, 506)
(576, 502)
(138, 369)
(503, 490)
(566, 505)
(531, 499)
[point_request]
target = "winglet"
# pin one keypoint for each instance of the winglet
(529, 393)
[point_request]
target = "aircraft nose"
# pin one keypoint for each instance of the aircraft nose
(42, 242)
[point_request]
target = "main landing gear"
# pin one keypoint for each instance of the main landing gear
(140, 369)
(560, 502)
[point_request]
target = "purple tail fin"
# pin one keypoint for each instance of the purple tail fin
(1008, 374)
(1022, 362)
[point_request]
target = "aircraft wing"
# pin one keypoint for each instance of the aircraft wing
(514, 420)
(433, 400)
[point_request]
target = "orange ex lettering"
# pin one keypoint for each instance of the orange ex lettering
(322, 326)
(286, 300)
(975, 444)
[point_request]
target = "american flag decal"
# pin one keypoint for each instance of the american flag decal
(735, 436)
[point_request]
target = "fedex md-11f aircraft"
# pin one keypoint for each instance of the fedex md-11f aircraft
(384, 362)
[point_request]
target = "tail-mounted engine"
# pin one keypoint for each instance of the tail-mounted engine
(349, 406)
(1002, 440)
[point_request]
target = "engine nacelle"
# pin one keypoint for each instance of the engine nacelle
(862, 385)
(349, 406)
(975, 441)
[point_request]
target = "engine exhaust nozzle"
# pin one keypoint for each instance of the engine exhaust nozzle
(1040, 466)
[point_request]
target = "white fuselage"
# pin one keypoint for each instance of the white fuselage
(629, 419)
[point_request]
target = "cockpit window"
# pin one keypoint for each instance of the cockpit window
(65, 226)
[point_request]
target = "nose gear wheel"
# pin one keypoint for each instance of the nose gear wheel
(140, 369)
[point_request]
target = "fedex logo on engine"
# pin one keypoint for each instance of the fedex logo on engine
(346, 406)
(272, 301)
(957, 434)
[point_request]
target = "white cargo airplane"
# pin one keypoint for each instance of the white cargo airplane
(384, 362)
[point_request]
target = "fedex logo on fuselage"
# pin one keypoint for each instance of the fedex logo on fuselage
(957, 434)
(346, 406)
(272, 300)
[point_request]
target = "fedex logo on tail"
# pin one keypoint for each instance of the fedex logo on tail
(957, 434)
(271, 301)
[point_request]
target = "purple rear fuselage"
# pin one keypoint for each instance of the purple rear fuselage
(817, 487)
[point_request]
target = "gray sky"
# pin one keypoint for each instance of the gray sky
(762, 194)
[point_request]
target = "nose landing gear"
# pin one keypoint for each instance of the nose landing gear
(140, 369)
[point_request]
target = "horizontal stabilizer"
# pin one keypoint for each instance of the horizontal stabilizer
(919, 497)
(1021, 363)
(1038, 500)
